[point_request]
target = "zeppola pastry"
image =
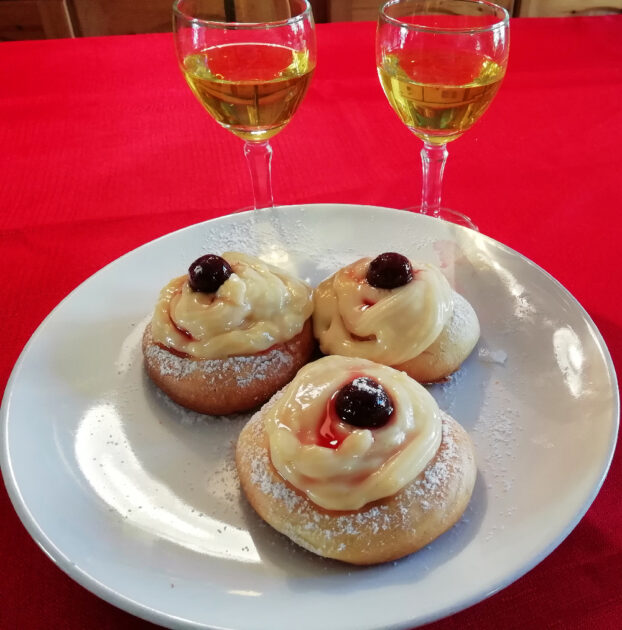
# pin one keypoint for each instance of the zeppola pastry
(354, 460)
(398, 312)
(229, 334)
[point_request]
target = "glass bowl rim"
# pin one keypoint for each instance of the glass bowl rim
(502, 22)
(304, 14)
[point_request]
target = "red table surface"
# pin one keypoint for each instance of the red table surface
(103, 148)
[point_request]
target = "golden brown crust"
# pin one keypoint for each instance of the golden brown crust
(382, 531)
(450, 349)
(224, 386)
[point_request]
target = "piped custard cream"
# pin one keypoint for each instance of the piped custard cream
(340, 466)
(354, 318)
(257, 307)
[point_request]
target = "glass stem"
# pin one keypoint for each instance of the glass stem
(259, 160)
(433, 158)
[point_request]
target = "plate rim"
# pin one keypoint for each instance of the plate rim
(143, 611)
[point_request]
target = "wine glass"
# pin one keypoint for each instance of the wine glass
(440, 63)
(249, 63)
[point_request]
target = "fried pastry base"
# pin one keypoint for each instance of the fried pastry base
(381, 531)
(223, 386)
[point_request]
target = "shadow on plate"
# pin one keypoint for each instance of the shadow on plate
(307, 571)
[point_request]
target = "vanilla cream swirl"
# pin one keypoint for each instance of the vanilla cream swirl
(391, 326)
(257, 307)
(368, 464)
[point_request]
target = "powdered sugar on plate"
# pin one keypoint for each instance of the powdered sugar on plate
(189, 417)
(492, 356)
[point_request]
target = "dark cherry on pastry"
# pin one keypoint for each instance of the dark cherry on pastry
(389, 271)
(230, 333)
(364, 403)
(396, 312)
(375, 494)
(208, 273)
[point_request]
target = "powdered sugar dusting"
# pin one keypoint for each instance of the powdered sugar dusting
(264, 235)
(460, 322)
(223, 485)
(245, 368)
(428, 491)
(268, 235)
(449, 388)
(495, 435)
(188, 417)
(496, 438)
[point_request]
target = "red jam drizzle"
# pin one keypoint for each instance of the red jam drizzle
(182, 331)
(328, 434)
(179, 329)
(177, 353)
(357, 338)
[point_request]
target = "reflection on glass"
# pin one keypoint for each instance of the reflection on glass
(249, 64)
(440, 64)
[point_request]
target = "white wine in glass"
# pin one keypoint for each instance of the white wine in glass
(249, 64)
(440, 64)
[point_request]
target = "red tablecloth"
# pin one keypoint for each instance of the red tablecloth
(104, 148)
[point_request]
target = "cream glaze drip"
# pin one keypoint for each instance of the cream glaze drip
(368, 464)
(390, 326)
(257, 307)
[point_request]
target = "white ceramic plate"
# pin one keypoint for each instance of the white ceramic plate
(137, 499)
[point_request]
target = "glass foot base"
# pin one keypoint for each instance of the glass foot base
(452, 216)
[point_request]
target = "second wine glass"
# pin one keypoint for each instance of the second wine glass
(249, 64)
(440, 63)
